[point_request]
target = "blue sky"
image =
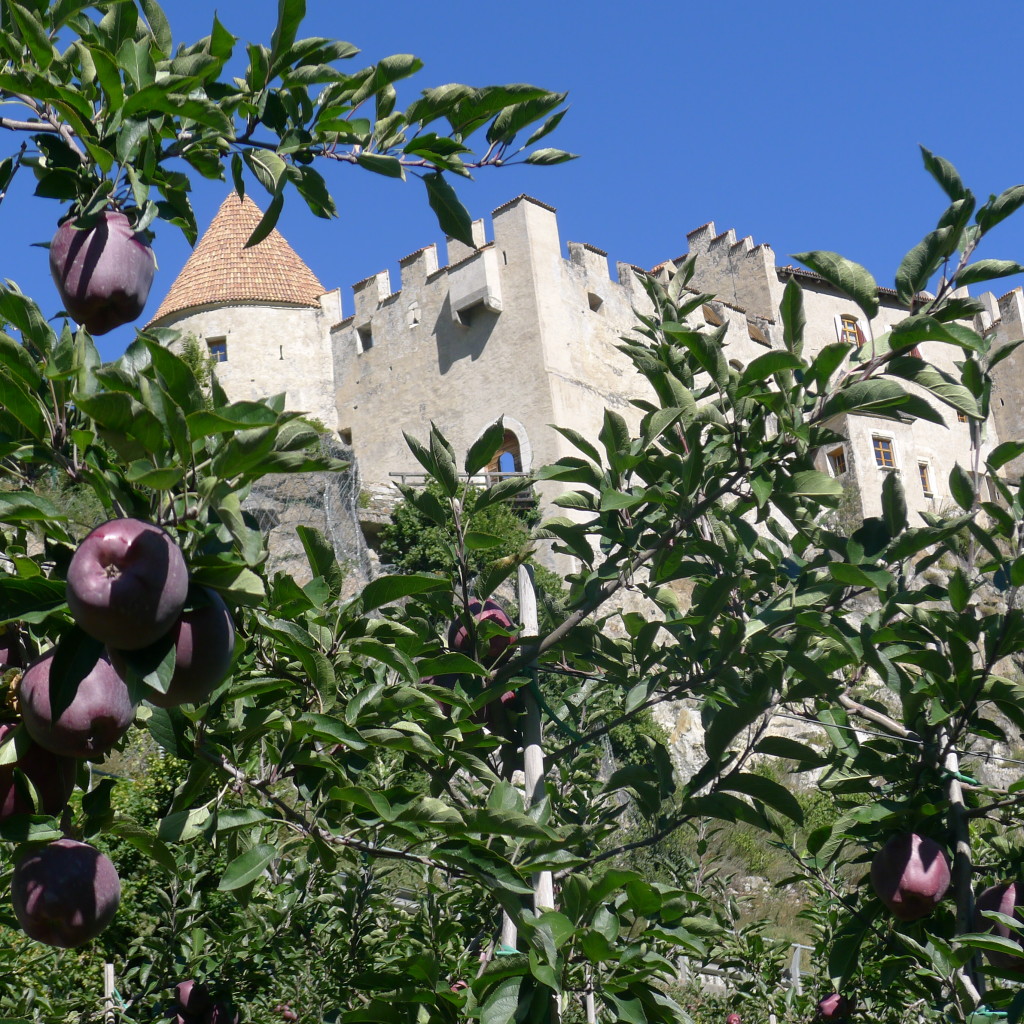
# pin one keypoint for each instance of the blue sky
(798, 124)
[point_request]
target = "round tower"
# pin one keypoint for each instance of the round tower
(260, 313)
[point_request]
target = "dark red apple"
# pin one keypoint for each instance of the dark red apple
(911, 875)
(489, 611)
(65, 893)
(204, 643)
(1007, 899)
(52, 777)
(127, 583)
(103, 273)
(836, 1007)
(97, 717)
(193, 996)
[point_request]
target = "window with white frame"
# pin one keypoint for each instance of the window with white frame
(837, 460)
(850, 330)
(885, 456)
(925, 473)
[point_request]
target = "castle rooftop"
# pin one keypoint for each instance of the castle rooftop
(222, 270)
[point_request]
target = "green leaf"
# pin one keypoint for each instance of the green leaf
(248, 867)
(959, 591)
(944, 387)
(158, 24)
(389, 166)
(33, 34)
(25, 408)
(1000, 207)
(813, 482)
(484, 447)
(873, 395)
(155, 477)
(894, 505)
(76, 656)
(790, 750)
(548, 157)
(444, 461)
(918, 266)
(767, 791)
(452, 216)
(1004, 453)
(961, 487)
(769, 364)
(226, 419)
(615, 437)
(793, 318)
(859, 576)
(322, 559)
(501, 1005)
(144, 841)
(389, 589)
(945, 174)
(267, 222)
(289, 16)
(850, 278)
(987, 270)
(168, 727)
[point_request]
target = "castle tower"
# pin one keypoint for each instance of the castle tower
(261, 313)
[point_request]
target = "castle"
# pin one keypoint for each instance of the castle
(516, 328)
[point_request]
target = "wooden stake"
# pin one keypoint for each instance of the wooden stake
(108, 994)
(533, 749)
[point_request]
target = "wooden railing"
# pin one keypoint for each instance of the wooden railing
(523, 499)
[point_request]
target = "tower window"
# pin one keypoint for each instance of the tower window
(218, 349)
(849, 331)
(837, 460)
(926, 479)
(885, 458)
(364, 338)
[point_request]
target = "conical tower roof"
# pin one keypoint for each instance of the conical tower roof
(222, 270)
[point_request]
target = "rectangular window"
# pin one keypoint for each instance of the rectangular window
(837, 461)
(884, 456)
(218, 349)
(849, 331)
(364, 338)
(926, 479)
(961, 416)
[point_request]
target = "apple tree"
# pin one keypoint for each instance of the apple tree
(346, 826)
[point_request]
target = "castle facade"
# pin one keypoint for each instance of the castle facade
(520, 328)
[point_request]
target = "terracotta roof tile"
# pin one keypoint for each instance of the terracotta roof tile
(221, 269)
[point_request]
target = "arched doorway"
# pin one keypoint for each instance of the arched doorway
(508, 458)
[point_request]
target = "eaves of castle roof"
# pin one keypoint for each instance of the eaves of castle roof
(222, 270)
(790, 271)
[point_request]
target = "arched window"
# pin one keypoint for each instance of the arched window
(849, 330)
